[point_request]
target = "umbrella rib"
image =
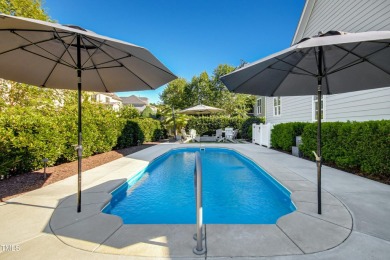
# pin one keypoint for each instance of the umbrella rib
(67, 48)
(168, 72)
(96, 66)
(37, 54)
(296, 73)
(108, 67)
(345, 55)
(294, 66)
(113, 59)
(349, 65)
(27, 45)
(90, 58)
(361, 59)
(55, 65)
(273, 92)
(90, 55)
(40, 55)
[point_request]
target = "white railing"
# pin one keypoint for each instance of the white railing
(261, 134)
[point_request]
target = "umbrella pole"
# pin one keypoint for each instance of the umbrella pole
(79, 146)
(319, 115)
(318, 157)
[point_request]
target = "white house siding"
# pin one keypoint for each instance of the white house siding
(293, 109)
(359, 106)
(344, 15)
(348, 16)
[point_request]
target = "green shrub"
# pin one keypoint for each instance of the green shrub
(283, 135)
(30, 134)
(150, 128)
(26, 138)
(148, 112)
(131, 133)
(100, 129)
(246, 128)
(208, 125)
(138, 130)
(352, 145)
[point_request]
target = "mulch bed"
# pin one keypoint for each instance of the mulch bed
(22, 183)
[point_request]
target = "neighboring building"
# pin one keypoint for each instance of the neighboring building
(259, 107)
(139, 103)
(347, 16)
(109, 99)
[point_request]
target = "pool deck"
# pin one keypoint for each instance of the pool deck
(355, 224)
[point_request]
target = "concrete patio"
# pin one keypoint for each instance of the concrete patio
(355, 224)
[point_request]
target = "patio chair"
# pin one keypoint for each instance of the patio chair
(192, 133)
(229, 134)
(184, 137)
(219, 135)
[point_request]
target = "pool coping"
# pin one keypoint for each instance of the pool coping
(300, 232)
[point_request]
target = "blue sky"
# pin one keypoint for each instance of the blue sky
(188, 36)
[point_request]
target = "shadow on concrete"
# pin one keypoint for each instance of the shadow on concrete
(95, 231)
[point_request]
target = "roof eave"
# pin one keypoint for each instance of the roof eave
(303, 21)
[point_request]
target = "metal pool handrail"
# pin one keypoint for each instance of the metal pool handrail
(199, 250)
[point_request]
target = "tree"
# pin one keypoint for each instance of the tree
(173, 94)
(128, 112)
(208, 91)
(148, 112)
(167, 118)
(25, 8)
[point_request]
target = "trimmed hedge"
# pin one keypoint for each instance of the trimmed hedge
(131, 133)
(27, 135)
(352, 145)
(151, 129)
(208, 125)
(283, 135)
(362, 146)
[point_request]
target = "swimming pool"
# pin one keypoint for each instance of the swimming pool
(235, 191)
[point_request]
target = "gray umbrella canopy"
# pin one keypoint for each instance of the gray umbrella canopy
(69, 57)
(201, 110)
(45, 54)
(351, 62)
(330, 63)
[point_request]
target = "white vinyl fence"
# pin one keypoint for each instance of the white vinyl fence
(261, 134)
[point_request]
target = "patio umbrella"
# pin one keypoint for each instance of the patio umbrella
(201, 110)
(329, 63)
(69, 57)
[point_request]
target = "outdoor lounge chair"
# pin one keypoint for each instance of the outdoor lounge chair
(219, 135)
(230, 134)
(192, 133)
(186, 138)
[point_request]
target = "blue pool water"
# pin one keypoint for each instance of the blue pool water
(235, 191)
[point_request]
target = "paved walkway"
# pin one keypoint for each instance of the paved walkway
(355, 224)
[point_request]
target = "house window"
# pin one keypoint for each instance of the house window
(107, 100)
(258, 104)
(315, 108)
(277, 106)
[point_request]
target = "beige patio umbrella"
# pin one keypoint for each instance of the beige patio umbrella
(201, 110)
(69, 57)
